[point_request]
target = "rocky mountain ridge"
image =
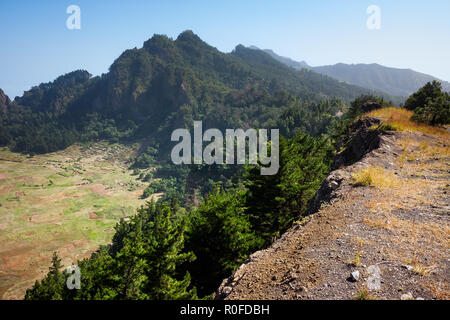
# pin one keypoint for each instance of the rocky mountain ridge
(394, 81)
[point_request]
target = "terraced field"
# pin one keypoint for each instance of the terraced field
(68, 201)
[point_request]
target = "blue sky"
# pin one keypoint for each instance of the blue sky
(37, 47)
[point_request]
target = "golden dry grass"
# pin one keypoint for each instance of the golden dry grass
(422, 169)
(376, 177)
(417, 152)
(360, 242)
(364, 294)
(440, 290)
(400, 119)
(419, 268)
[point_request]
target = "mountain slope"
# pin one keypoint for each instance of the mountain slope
(5, 102)
(394, 81)
(287, 61)
(371, 218)
(399, 82)
(172, 73)
(309, 84)
(150, 91)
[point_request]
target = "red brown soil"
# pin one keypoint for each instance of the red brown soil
(98, 189)
(94, 216)
(5, 190)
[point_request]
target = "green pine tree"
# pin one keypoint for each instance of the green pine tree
(52, 286)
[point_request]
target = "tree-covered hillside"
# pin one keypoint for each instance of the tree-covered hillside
(163, 85)
(211, 217)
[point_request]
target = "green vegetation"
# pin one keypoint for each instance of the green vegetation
(209, 218)
(275, 202)
(44, 212)
(430, 104)
(221, 237)
(170, 252)
(364, 104)
(164, 85)
(142, 264)
(150, 91)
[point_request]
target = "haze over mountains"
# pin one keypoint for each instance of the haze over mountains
(394, 81)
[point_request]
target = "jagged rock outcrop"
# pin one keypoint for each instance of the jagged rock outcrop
(5, 102)
(328, 191)
(362, 137)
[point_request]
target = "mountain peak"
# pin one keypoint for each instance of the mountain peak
(5, 102)
(156, 40)
(240, 47)
(287, 61)
(189, 35)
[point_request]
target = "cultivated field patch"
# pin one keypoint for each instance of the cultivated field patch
(68, 201)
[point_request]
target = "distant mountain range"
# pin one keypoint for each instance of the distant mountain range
(287, 61)
(394, 81)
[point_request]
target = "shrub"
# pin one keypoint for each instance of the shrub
(435, 111)
(430, 104)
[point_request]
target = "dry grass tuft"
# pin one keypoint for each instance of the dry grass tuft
(419, 268)
(356, 261)
(364, 294)
(439, 290)
(375, 177)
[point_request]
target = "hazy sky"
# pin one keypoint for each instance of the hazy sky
(36, 46)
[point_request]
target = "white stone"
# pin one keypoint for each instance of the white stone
(374, 279)
(355, 275)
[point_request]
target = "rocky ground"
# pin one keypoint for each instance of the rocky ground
(379, 229)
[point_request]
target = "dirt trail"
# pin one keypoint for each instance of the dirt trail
(394, 236)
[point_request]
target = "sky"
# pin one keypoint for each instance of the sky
(36, 45)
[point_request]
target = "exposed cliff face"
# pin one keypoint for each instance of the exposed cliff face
(5, 102)
(363, 136)
(386, 240)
